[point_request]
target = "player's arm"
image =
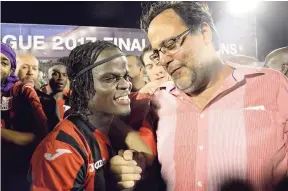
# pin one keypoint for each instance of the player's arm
(25, 138)
(16, 137)
(141, 141)
(57, 166)
(42, 125)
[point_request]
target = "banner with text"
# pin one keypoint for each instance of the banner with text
(50, 42)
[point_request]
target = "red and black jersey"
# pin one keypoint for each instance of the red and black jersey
(62, 104)
(139, 121)
(21, 112)
(26, 113)
(73, 156)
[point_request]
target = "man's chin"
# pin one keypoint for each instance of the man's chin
(186, 88)
(59, 90)
(124, 114)
(29, 82)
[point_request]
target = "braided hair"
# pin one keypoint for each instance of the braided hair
(83, 86)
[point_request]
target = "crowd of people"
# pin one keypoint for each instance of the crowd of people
(178, 117)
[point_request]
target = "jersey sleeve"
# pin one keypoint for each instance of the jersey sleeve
(37, 109)
(140, 115)
(147, 134)
(57, 166)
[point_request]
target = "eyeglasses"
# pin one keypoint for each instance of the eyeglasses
(169, 47)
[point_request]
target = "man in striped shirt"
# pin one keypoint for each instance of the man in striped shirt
(217, 121)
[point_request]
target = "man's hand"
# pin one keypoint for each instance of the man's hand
(18, 138)
(125, 169)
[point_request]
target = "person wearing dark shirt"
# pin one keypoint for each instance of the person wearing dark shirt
(28, 70)
(23, 124)
(57, 82)
(137, 72)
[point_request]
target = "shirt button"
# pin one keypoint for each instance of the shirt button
(201, 147)
(199, 184)
(202, 116)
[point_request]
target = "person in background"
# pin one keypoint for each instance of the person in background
(23, 123)
(156, 73)
(278, 60)
(28, 70)
(218, 120)
(57, 76)
(78, 150)
(243, 60)
(64, 61)
(137, 72)
(40, 81)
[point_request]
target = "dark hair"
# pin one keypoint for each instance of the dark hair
(57, 63)
(83, 86)
(63, 60)
(52, 64)
(146, 49)
(138, 60)
(193, 13)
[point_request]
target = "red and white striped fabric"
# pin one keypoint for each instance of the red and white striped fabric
(241, 134)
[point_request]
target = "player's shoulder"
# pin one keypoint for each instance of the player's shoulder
(63, 139)
(64, 133)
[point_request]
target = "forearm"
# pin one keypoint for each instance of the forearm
(125, 133)
(39, 115)
(18, 138)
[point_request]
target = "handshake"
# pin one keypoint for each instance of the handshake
(127, 167)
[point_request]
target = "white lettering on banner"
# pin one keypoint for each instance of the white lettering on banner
(69, 43)
(143, 44)
(81, 40)
(57, 43)
(126, 44)
(229, 49)
(13, 41)
(233, 49)
(38, 42)
(136, 45)
(115, 42)
(28, 45)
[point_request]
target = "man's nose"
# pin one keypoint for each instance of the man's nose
(164, 59)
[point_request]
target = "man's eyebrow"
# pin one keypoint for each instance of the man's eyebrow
(111, 74)
(4, 58)
(163, 43)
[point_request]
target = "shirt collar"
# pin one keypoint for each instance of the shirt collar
(240, 72)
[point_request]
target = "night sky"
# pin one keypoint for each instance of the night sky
(272, 19)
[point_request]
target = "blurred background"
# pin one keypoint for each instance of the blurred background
(237, 27)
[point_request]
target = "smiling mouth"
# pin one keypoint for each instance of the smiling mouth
(60, 84)
(123, 100)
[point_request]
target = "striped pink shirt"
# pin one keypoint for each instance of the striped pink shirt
(242, 133)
